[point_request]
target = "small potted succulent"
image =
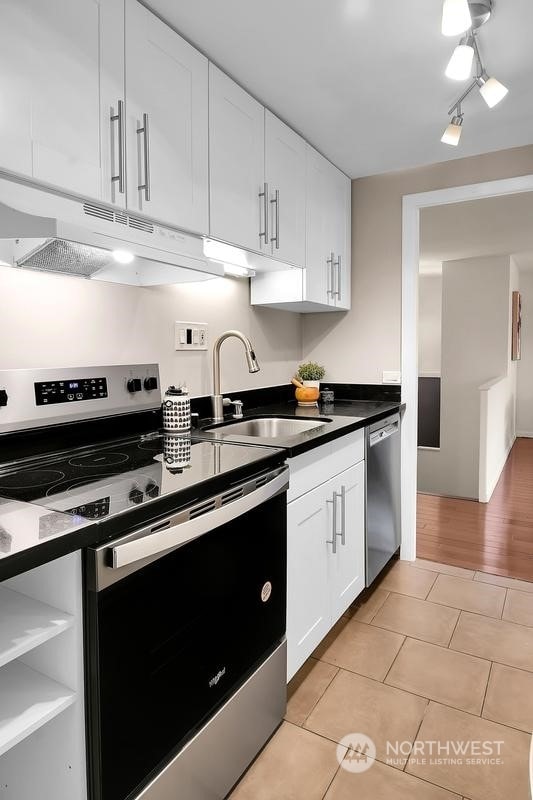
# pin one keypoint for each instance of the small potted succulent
(307, 382)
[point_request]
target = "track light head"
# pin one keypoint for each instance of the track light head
(460, 64)
(456, 17)
(491, 90)
(452, 134)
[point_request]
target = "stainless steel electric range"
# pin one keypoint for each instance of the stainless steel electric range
(185, 578)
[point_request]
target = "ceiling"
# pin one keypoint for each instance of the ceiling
(363, 80)
(489, 227)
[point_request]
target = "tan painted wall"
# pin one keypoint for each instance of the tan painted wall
(55, 320)
(475, 349)
(360, 344)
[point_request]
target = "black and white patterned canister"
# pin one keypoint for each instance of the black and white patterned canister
(176, 410)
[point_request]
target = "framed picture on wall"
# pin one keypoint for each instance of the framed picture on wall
(517, 325)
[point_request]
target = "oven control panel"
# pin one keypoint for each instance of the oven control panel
(68, 391)
(33, 398)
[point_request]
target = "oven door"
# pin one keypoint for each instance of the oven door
(179, 615)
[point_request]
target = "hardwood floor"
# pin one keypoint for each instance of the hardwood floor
(495, 537)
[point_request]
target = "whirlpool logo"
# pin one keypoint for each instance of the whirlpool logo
(215, 679)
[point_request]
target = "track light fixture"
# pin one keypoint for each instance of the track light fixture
(454, 17)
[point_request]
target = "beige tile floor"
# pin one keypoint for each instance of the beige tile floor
(435, 654)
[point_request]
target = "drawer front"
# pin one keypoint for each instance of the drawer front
(319, 465)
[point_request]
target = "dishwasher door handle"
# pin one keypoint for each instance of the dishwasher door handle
(383, 433)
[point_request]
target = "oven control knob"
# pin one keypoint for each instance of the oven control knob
(152, 489)
(3, 397)
(150, 383)
(134, 385)
(136, 495)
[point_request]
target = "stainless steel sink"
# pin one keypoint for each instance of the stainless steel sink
(269, 427)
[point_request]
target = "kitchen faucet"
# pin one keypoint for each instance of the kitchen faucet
(217, 400)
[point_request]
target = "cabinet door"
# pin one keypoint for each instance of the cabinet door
(54, 77)
(319, 242)
(236, 163)
(308, 615)
(285, 175)
(340, 235)
(167, 123)
(347, 565)
(16, 58)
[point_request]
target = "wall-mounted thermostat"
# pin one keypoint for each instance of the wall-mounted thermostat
(190, 335)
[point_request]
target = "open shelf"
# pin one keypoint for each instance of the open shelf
(28, 700)
(26, 623)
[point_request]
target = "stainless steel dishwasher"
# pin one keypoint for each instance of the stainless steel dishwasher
(382, 494)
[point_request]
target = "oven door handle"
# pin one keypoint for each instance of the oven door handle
(160, 540)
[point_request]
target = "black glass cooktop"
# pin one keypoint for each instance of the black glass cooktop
(94, 483)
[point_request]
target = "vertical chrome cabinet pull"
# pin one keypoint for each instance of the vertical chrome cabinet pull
(343, 515)
(333, 540)
(339, 277)
(145, 131)
(276, 201)
(264, 195)
(119, 119)
(330, 261)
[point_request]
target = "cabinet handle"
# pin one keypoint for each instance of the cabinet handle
(145, 131)
(276, 201)
(264, 195)
(334, 534)
(330, 261)
(119, 119)
(338, 265)
(343, 513)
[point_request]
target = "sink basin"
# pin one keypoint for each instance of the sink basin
(269, 427)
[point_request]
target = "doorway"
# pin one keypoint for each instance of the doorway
(412, 207)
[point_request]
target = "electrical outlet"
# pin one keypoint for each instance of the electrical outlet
(392, 376)
(190, 335)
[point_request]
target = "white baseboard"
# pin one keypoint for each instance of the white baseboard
(524, 434)
(486, 498)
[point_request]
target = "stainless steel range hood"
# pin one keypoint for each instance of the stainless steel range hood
(47, 231)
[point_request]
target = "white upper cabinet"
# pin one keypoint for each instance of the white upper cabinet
(236, 163)
(339, 216)
(318, 278)
(325, 281)
(285, 178)
(166, 123)
(50, 64)
(15, 86)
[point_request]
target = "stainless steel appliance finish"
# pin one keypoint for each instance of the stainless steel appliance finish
(271, 427)
(217, 400)
(136, 550)
(186, 636)
(382, 494)
(212, 762)
(65, 394)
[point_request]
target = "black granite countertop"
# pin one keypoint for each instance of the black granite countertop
(34, 532)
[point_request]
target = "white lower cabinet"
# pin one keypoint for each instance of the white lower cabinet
(325, 552)
(42, 719)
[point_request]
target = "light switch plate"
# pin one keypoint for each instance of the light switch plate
(191, 335)
(392, 376)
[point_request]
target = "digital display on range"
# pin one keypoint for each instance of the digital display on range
(49, 393)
